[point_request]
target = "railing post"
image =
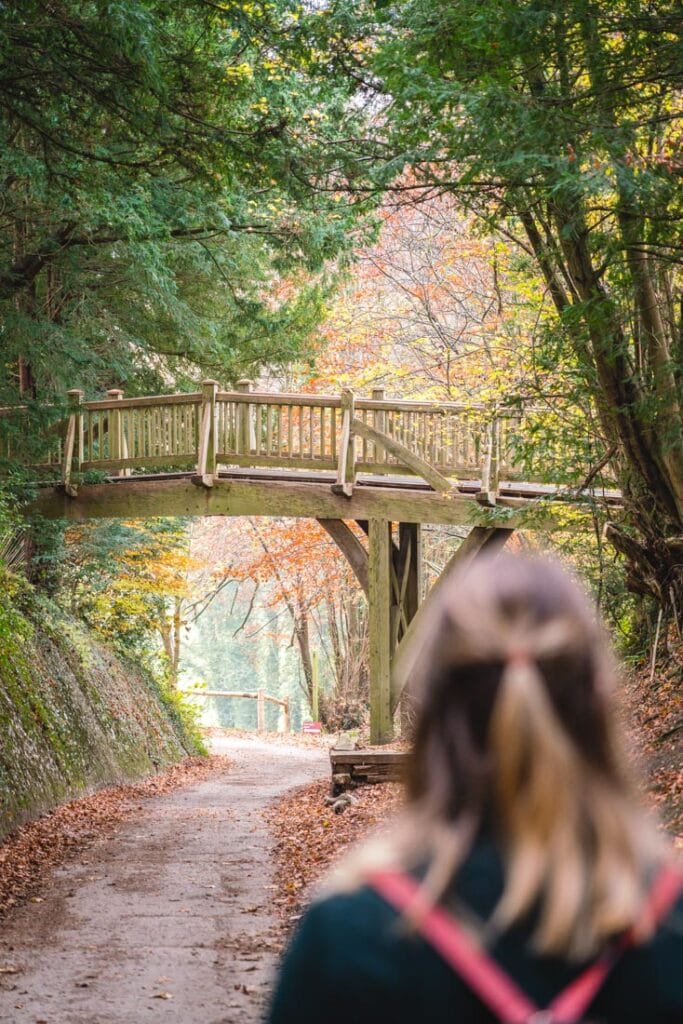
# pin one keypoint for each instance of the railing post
(73, 445)
(116, 443)
(287, 722)
(206, 450)
(246, 433)
(380, 421)
(260, 711)
(346, 456)
(490, 468)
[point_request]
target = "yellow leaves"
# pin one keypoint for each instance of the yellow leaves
(239, 73)
(260, 106)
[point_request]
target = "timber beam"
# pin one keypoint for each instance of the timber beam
(131, 498)
(351, 547)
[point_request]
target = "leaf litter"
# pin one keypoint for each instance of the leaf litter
(30, 853)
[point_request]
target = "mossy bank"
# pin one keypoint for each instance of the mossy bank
(73, 716)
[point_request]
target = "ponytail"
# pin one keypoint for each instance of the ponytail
(547, 801)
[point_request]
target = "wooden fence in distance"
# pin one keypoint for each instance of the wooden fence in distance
(260, 696)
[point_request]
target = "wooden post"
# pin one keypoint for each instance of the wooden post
(380, 422)
(115, 430)
(494, 478)
(73, 445)
(260, 711)
(346, 456)
(283, 717)
(409, 568)
(206, 451)
(480, 538)
(246, 433)
(488, 494)
(315, 686)
(379, 628)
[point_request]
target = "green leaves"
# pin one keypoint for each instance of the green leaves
(162, 169)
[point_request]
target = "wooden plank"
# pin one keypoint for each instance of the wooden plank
(233, 693)
(440, 483)
(379, 630)
(142, 499)
(230, 459)
(143, 462)
(367, 756)
(149, 401)
(275, 398)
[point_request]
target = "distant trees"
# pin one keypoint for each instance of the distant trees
(297, 589)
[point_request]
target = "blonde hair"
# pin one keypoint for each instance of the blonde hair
(512, 689)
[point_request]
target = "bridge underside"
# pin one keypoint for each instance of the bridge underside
(387, 564)
(389, 465)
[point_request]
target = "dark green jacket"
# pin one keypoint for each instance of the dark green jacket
(348, 963)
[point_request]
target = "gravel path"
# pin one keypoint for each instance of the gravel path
(168, 920)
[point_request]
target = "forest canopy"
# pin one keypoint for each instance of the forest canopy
(157, 221)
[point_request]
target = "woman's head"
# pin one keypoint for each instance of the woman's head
(514, 673)
(514, 729)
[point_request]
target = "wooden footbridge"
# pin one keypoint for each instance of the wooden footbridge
(389, 465)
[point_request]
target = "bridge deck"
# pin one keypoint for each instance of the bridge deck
(286, 494)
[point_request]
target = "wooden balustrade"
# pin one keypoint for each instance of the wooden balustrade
(204, 430)
(260, 696)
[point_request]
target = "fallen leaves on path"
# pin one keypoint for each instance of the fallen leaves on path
(309, 836)
(33, 850)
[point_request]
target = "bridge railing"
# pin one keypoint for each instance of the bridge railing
(305, 431)
(204, 430)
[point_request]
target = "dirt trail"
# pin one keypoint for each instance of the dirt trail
(167, 921)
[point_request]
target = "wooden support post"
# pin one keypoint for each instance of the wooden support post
(488, 494)
(409, 569)
(116, 445)
(479, 539)
(73, 446)
(408, 576)
(260, 711)
(206, 451)
(379, 628)
(246, 432)
(283, 724)
(315, 686)
(346, 458)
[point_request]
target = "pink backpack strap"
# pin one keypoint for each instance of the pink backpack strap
(578, 996)
(483, 975)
